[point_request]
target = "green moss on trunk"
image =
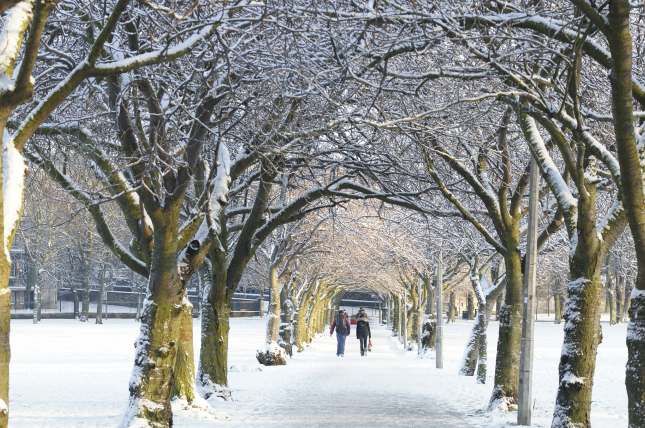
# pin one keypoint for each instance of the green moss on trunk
(213, 371)
(507, 363)
(184, 382)
(5, 352)
(582, 322)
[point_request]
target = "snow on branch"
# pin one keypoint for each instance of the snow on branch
(549, 170)
(160, 55)
(13, 184)
(555, 29)
(218, 195)
(11, 38)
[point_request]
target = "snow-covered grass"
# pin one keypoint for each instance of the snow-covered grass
(609, 407)
(70, 374)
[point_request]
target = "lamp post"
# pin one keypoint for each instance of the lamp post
(439, 296)
(528, 320)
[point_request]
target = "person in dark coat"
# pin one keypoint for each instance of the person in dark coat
(343, 327)
(363, 333)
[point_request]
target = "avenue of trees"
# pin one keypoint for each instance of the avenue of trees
(321, 147)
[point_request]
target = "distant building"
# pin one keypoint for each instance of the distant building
(22, 297)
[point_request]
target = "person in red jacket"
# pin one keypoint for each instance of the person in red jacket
(343, 328)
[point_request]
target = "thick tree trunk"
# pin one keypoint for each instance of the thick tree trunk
(213, 357)
(156, 348)
(272, 354)
(273, 316)
(633, 198)
(184, 381)
(5, 352)
(301, 324)
(507, 362)
(469, 362)
(429, 335)
(582, 323)
(412, 317)
(475, 354)
(482, 359)
(635, 369)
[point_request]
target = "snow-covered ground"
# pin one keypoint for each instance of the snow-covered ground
(70, 374)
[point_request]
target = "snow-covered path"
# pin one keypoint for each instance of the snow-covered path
(317, 389)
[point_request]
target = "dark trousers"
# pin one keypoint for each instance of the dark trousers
(363, 340)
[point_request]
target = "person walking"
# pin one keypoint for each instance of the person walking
(363, 333)
(343, 328)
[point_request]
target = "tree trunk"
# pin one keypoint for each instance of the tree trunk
(499, 303)
(557, 307)
(582, 322)
(184, 381)
(412, 317)
(31, 281)
(5, 352)
(633, 198)
(36, 315)
(85, 271)
(475, 354)
(99, 301)
(139, 303)
(452, 307)
(273, 318)
(507, 363)
(301, 324)
(628, 301)
(470, 306)
(213, 357)
(402, 331)
(75, 296)
(611, 302)
(469, 362)
(395, 316)
(620, 299)
(482, 360)
(635, 369)
(272, 353)
(429, 335)
(85, 305)
(430, 306)
(156, 348)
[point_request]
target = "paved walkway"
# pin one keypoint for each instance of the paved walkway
(317, 389)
